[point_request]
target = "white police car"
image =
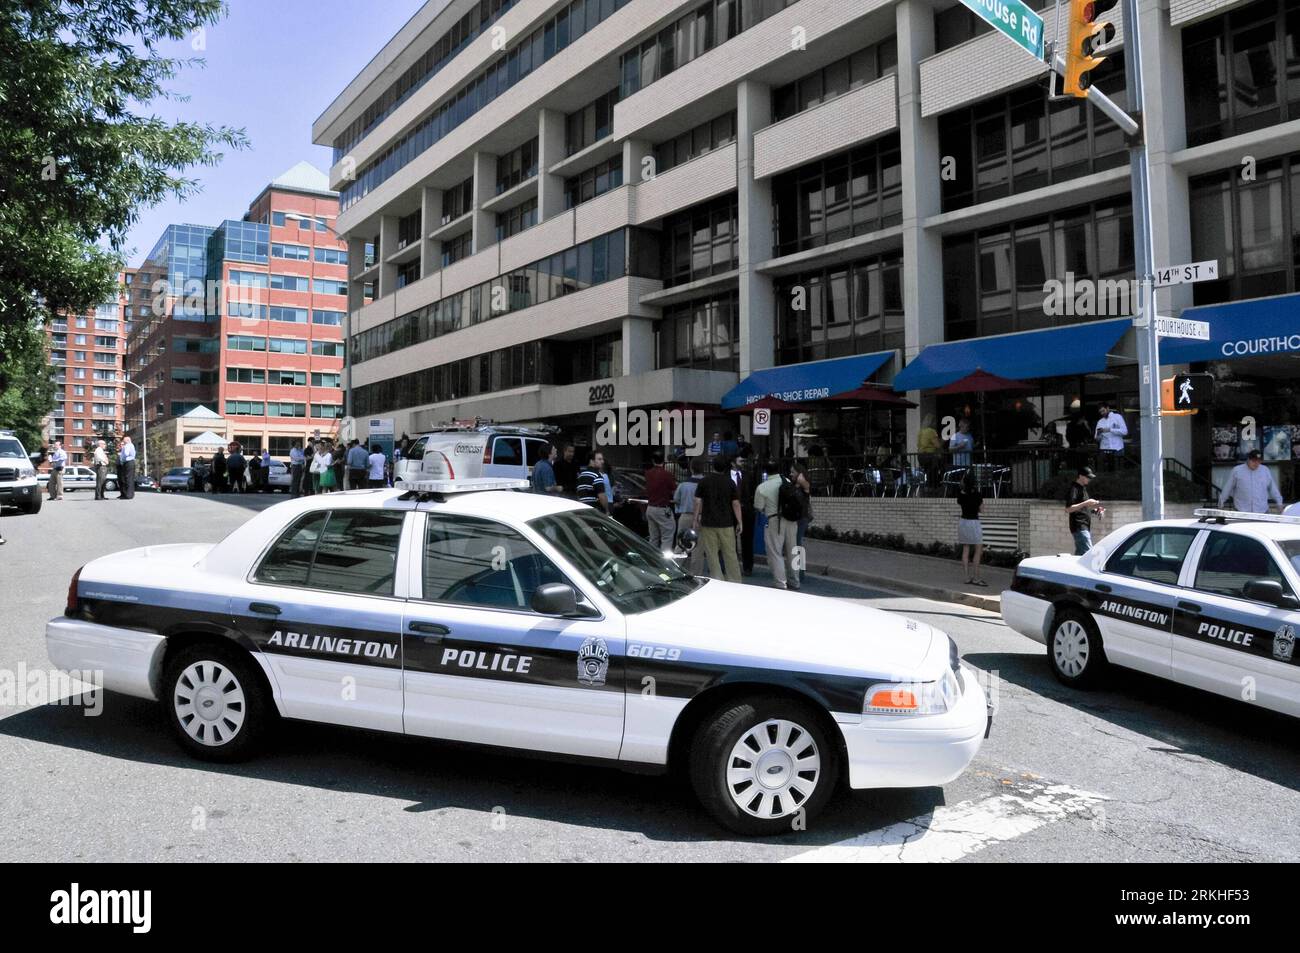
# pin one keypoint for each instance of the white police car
(1209, 602)
(527, 622)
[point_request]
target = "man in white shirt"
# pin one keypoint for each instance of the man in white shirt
(376, 462)
(1110, 430)
(58, 460)
(126, 470)
(1251, 486)
(296, 461)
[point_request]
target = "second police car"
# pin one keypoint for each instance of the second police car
(527, 622)
(1209, 602)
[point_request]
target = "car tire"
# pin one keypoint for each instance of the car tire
(792, 773)
(1074, 649)
(110, 486)
(217, 702)
(34, 505)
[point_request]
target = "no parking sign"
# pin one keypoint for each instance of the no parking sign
(762, 422)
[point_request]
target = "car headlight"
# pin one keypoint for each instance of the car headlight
(913, 698)
(26, 471)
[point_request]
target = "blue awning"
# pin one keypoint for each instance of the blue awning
(1239, 329)
(815, 380)
(1051, 352)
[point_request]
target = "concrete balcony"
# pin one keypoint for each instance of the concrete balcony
(682, 186)
(855, 117)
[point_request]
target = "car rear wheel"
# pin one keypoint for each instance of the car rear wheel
(1074, 649)
(763, 765)
(33, 506)
(216, 702)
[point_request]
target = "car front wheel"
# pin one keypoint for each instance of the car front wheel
(33, 506)
(1074, 649)
(763, 765)
(216, 702)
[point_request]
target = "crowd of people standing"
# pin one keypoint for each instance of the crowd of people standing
(319, 466)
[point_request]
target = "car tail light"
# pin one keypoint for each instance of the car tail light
(487, 451)
(74, 605)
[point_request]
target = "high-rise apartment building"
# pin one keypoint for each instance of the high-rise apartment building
(236, 330)
(555, 206)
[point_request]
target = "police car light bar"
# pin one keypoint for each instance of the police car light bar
(1225, 516)
(469, 485)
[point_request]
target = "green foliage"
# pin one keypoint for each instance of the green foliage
(26, 383)
(899, 543)
(79, 159)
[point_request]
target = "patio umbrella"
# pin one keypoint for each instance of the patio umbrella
(871, 394)
(981, 382)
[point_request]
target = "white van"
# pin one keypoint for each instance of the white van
(487, 451)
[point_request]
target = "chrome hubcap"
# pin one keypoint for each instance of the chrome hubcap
(209, 703)
(773, 769)
(1070, 648)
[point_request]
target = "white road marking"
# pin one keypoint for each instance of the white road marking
(950, 833)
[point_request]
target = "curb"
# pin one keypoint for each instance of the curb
(903, 586)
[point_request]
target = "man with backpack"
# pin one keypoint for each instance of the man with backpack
(777, 498)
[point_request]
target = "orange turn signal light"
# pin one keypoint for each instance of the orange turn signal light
(895, 699)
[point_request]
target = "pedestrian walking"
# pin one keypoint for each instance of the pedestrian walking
(684, 505)
(376, 464)
(970, 531)
(236, 468)
(310, 479)
(543, 479)
(322, 470)
(1251, 486)
(744, 475)
(99, 462)
(58, 460)
(126, 470)
(777, 498)
(358, 466)
(296, 462)
(266, 470)
(1080, 504)
(592, 488)
(660, 486)
(718, 521)
(338, 461)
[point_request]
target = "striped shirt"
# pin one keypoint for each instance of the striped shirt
(590, 485)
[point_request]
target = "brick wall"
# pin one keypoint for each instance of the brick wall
(1042, 523)
(826, 129)
(1184, 11)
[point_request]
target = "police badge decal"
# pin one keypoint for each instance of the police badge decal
(593, 661)
(1284, 643)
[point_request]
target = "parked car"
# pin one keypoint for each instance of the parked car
(18, 485)
(279, 480)
(460, 453)
(181, 479)
(77, 477)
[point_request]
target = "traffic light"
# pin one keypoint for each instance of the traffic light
(1088, 35)
(1185, 394)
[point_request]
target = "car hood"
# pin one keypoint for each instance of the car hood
(773, 628)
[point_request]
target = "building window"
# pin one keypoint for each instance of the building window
(701, 241)
(849, 194)
(458, 201)
(329, 286)
(842, 76)
(290, 252)
(1250, 228)
(595, 181)
(242, 342)
(241, 408)
(408, 273)
(287, 346)
(1239, 71)
(246, 375)
(592, 123)
(454, 249)
(327, 348)
(326, 411)
(694, 143)
(1018, 142)
(290, 282)
(855, 308)
(517, 366)
(282, 378)
(328, 318)
(516, 166)
(285, 409)
(294, 315)
(408, 229)
(330, 256)
(994, 281)
(517, 219)
(319, 379)
(701, 334)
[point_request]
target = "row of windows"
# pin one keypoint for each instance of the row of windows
(330, 256)
(693, 143)
(193, 375)
(851, 72)
(590, 124)
(515, 220)
(457, 201)
(408, 272)
(1021, 141)
(595, 181)
(702, 334)
(541, 45)
(474, 22)
(849, 194)
(290, 252)
(304, 222)
(599, 260)
(701, 241)
(408, 228)
(245, 342)
(517, 366)
(994, 281)
(455, 249)
(691, 36)
(279, 378)
(845, 309)
(196, 345)
(284, 408)
(516, 166)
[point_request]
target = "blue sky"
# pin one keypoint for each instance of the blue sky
(272, 68)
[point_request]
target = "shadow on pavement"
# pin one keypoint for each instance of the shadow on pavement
(433, 775)
(1188, 722)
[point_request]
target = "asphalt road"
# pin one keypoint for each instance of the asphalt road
(1141, 770)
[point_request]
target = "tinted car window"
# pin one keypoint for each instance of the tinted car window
(482, 563)
(1229, 561)
(536, 450)
(343, 551)
(1155, 555)
(507, 451)
(416, 450)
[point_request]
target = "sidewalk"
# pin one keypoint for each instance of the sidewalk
(926, 576)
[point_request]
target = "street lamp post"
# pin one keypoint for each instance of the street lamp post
(144, 420)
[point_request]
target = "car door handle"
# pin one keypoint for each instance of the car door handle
(263, 608)
(429, 628)
(1102, 587)
(1191, 607)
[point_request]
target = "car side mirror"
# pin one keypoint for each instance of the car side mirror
(36, 458)
(1264, 590)
(555, 598)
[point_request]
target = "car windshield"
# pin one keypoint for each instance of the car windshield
(624, 567)
(1292, 549)
(177, 471)
(11, 448)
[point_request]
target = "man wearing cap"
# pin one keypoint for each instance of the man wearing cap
(1251, 486)
(1080, 505)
